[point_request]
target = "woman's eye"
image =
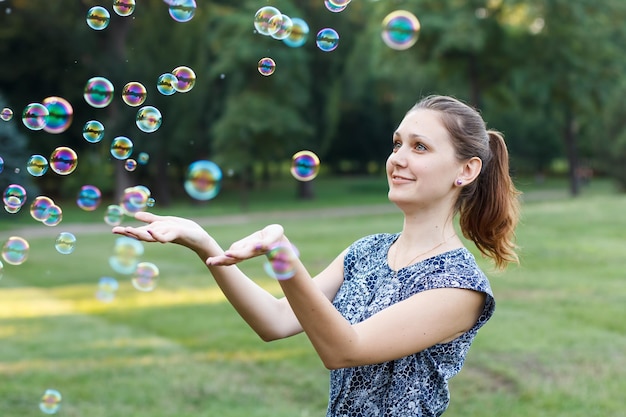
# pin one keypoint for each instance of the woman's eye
(396, 146)
(420, 147)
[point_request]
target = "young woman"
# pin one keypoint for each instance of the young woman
(393, 315)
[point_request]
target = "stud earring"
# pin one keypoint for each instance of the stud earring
(459, 182)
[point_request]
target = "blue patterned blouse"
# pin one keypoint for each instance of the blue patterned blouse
(415, 385)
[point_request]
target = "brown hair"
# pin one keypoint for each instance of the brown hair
(489, 206)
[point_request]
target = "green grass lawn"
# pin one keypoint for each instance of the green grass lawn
(556, 346)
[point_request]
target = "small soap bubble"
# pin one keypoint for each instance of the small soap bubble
(400, 30)
(53, 215)
(305, 165)
(130, 165)
(14, 195)
(98, 92)
(124, 7)
(60, 114)
(267, 20)
(15, 250)
(203, 180)
(50, 401)
(285, 28)
(135, 199)
(6, 114)
(126, 253)
(145, 276)
(1, 164)
(107, 286)
(13, 206)
(148, 119)
(63, 160)
(93, 131)
(333, 7)
(39, 208)
(1, 269)
(151, 202)
(182, 10)
(121, 147)
(266, 66)
(98, 18)
(65, 243)
(35, 116)
(186, 78)
(327, 39)
(281, 261)
(143, 158)
(166, 84)
(89, 197)
(37, 165)
(134, 93)
(113, 215)
(299, 33)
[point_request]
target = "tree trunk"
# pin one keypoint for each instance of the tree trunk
(571, 148)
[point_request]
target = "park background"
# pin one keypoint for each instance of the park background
(549, 74)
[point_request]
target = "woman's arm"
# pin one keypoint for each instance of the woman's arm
(269, 317)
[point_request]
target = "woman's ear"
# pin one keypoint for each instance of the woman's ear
(469, 171)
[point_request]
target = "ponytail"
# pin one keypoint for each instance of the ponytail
(489, 207)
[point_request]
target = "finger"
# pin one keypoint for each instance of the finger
(222, 260)
(147, 217)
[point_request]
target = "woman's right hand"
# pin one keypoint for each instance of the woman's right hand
(165, 229)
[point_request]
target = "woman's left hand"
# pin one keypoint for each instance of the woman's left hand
(258, 243)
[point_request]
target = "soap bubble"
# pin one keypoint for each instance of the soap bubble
(6, 114)
(60, 114)
(126, 253)
(37, 165)
(148, 119)
(281, 261)
(124, 7)
(53, 215)
(166, 84)
(98, 92)
(267, 20)
(15, 250)
(284, 29)
(266, 66)
(121, 147)
(143, 158)
(299, 33)
(107, 286)
(134, 93)
(63, 160)
(98, 18)
(14, 195)
(50, 401)
(327, 39)
(186, 78)
(35, 116)
(135, 199)
(203, 180)
(93, 131)
(39, 208)
(89, 197)
(400, 29)
(305, 165)
(130, 165)
(182, 10)
(113, 215)
(65, 243)
(145, 276)
(333, 7)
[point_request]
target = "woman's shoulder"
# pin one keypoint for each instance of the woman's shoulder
(458, 268)
(374, 240)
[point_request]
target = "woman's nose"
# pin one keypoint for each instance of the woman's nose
(398, 157)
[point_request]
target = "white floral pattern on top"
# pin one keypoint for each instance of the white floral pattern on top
(415, 385)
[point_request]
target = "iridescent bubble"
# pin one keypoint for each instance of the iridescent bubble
(166, 84)
(50, 401)
(1, 164)
(186, 78)
(98, 92)
(14, 196)
(124, 7)
(331, 6)
(37, 165)
(148, 119)
(266, 66)
(267, 20)
(107, 286)
(63, 160)
(203, 180)
(182, 10)
(65, 243)
(93, 131)
(281, 261)
(113, 215)
(299, 33)
(1, 270)
(286, 25)
(6, 114)
(121, 147)
(305, 165)
(125, 255)
(39, 208)
(60, 114)
(400, 30)
(34, 116)
(98, 18)
(89, 197)
(327, 39)
(340, 3)
(13, 206)
(143, 158)
(145, 276)
(135, 199)
(151, 202)
(130, 165)
(15, 250)
(53, 215)
(134, 94)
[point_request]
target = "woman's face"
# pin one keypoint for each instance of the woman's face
(422, 167)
